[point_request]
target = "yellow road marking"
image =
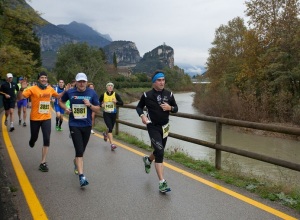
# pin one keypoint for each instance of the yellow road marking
(38, 212)
(33, 202)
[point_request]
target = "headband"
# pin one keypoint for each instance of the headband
(109, 84)
(157, 75)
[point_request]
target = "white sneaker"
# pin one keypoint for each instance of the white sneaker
(92, 132)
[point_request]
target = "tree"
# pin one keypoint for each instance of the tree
(115, 62)
(75, 58)
(17, 36)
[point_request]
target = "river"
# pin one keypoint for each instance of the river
(276, 147)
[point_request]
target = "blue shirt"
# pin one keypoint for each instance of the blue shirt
(77, 97)
(58, 90)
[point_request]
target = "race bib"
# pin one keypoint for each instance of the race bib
(79, 111)
(44, 107)
(109, 107)
(165, 129)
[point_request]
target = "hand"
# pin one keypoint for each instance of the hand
(24, 84)
(166, 107)
(67, 87)
(68, 111)
(145, 120)
(86, 102)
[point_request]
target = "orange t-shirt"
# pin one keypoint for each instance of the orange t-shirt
(40, 102)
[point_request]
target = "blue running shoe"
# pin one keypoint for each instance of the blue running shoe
(83, 181)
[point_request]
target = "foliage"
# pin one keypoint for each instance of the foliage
(18, 42)
(177, 80)
(254, 71)
(75, 58)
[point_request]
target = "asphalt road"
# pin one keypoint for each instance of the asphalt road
(119, 188)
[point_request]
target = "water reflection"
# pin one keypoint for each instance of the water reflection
(275, 147)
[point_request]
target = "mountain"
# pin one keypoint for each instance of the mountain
(84, 33)
(192, 70)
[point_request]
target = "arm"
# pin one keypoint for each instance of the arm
(101, 100)
(62, 103)
(140, 110)
(119, 100)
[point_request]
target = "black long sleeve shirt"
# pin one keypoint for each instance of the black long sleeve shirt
(152, 100)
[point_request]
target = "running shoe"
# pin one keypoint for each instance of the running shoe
(60, 129)
(44, 167)
(20, 121)
(57, 128)
(83, 181)
(104, 136)
(24, 124)
(113, 147)
(11, 129)
(147, 164)
(92, 131)
(163, 187)
(75, 168)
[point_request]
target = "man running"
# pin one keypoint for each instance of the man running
(22, 104)
(40, 116)
(59, 111)
(159, 103)
(109, 102)
(8, 89)
(83, 101)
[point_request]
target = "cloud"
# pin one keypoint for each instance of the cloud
(187, 26)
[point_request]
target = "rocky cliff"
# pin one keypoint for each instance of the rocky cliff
(126, 52)
(159, 58)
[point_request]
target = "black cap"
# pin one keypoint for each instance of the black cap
(41, 74)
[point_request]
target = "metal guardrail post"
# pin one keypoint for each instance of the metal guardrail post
(218, 141)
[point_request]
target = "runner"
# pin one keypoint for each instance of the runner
(40, 116)
(22, 104)
(59, 111)
(109, 102)
(159, 103)
(83, 101)
(7, 90)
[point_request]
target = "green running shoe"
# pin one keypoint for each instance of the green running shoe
(147, 164)
(163, 187)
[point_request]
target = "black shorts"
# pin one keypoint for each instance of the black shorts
(9, 104)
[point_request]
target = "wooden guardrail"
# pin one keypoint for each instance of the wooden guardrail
(218, 144)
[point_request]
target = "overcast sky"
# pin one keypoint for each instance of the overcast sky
(187, 26)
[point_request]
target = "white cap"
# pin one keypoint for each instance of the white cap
(9, 75)
(80, 77)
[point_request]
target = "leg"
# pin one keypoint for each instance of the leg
(34, 132)
(46, 130)
(24, 115)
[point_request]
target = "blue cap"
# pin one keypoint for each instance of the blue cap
(21, 78)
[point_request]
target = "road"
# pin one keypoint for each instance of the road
(119, 188)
